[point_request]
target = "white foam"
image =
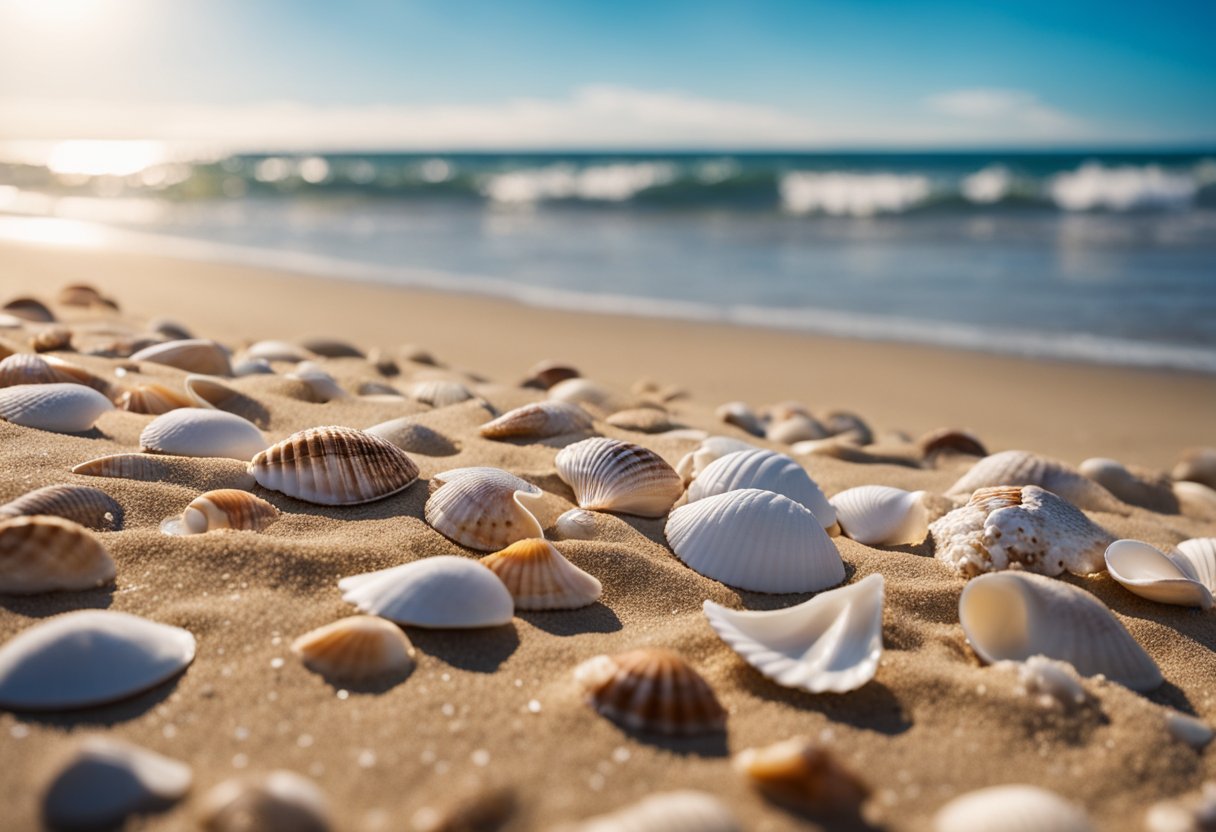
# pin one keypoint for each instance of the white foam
(599, 183)
(852, 194)
(988, 185)
(1094, 186)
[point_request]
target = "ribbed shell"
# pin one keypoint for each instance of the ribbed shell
(652, 690)
(802, 775)
(1010, 468)
(538, 420)
(576, 524)
(143, 467)
(1151, 491)
(1015, 615)
(683, 811)
(224, 508)
(153, 399)
(1011, 809)
(71, 374)
(1157, 576)
(278, 801)
(356, 649)
(334, 466)
(50, 554)
(194, 355)
(767, 471)
(63, 408)
(694, 462)
(609, 475)
(540, 578)
(26, 368)
(444, 591)
(483, 508)
(193, 431)
(90, 507)
(878, 515)
(755, 540)
(440, 392)
(1198, 557)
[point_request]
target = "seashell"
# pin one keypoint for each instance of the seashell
(417, 355)
(322, 387)
(1169, 579)
(847, 426)
(1198, 557)
(62, 408)
(26, 368)
(539, 578)
(1191, 813)
(1011, 809)
(194, 355)
(483, 508)
(106, 780)
(576, 524)
(1154, 492)
(682, 811)
(796, 428)
(694, 462)
(942, 444)
(642, 420)
(90, 507)
(153, 399)
(172, 330)
(408, 435)
(29, 309)
(252, 367)
(330, 347)
(377, 388)
(89, 657)
(1197, 465)
(224, 508)
(830, 643)
(546, 374)
(1195, 499)
(781, 411)
(482, 810)
(878, 515)
(50, 554)
(609, 475)
(358, 648)
(383, 363)
(803, 776)
(755, 540)
(1019, 528)
(767, 471)
(442, 592)
(277, 351)
(651, 689)
(538, 420)
(279, 801)
(193, 431)
(1024, 468)
(439, 392)
(210, 392)
(71, 374)
(334, 466)
(1187, 729)
(741, 416)
(79, 294)
(1015, 615)
(590, 395)
(1053, 683)
(185, 470)
(52, 338)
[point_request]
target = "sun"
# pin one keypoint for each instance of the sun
(46, 15)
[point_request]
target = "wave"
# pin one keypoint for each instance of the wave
(852, 194)
(1094, 186)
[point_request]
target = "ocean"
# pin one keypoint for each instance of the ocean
(1103, 257)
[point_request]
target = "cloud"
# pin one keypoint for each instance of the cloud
(1017, 111)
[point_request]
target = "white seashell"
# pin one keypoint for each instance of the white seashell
(89, 657)
(1152, 574)
(59, 407)
(50, 554)
(1019, 528)
(252, 367)
(322, 387)
(193, 431)
(1191, 813)
(1195, 499)
(357, 648)
(444, 591)
(483, 508)
(830, 643)
(609, 475)
(280, 801)
(540, 578)
(334, 466)
(795, 428)
(1137, 488)
(694, 462)
(741, 416)
(1011, 809)
(409, 435)
(1015, 615)
(26, 368)
(440, 392)
(589, 394)
(1197, 465)
(755, 540)
(90, 507)
(1198, 558)
(576, 524)
(1185, 728)
(277, 351)
(1053, 683)
(767, 471)
(878, 515)
(224, 508)
(1024, 468)
(194, 355)
(210, 392)
(538, 420)
(683, 811)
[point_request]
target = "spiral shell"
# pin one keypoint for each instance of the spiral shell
(358, 648)
(803, 776)
(225, 508)
(90, 507)
(653, 690)
(1011, 468)
(1011, 809)
(878, 515)
(538, 420)
(194, 355)
(483, 508)
(334, 466)
(767, 471)
(50, 554)
(63, 408)
(153, 399)
(539, 578)
(193, 431)
(443, 592)
(609, 475)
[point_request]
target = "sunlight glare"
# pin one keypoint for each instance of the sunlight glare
(105, 158)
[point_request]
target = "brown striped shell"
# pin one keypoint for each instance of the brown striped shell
(539, 578)
(355, 649)
(651, 689)
(608, 475)
(52, 338)
(803, 776)
(153, 399)
(538, 420)
(80, 294)
(90, 507)
(26, 368)
(48, 554)
(216, 472)
(224, 508)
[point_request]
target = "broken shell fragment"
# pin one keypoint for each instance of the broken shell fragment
(653, 690)
(444, 592)
(609, 475)
(357, 648)
(334, 466)
(540, 578)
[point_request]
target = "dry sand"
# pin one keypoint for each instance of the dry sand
(933, 724)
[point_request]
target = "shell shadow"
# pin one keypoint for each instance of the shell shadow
(247, 408)
(1172, 696)
(481, 651)
(380, 684)
(91, 433)
(769, 601)
(698, 745)
(105, 715)
(872, 707)
(836, 822)
(595, 618)
(47, 604)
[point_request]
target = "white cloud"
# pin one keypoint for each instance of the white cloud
(1015, 110)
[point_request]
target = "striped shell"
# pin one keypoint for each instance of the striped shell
(651, 689)
(1011, 809)
(26, 368)
(225, 508)
(334, 466)
(63, 408)
(803, 776)
(1025, 468)
(358, 648)
(576, 524)
(71, 374)
(194, 355)
(90, 507)
(483, 508)
(878, 515)
(153, 399)
(540, 578)
(538, 420)
(609, 475)
(683, 811)
(444, 591)
(197, 473)
(439, 392)
(767, 471)
(695, 461)
(278, 801)
(50, 554)
(193, 431)
(1186, 577)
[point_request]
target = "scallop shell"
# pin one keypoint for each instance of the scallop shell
(1154, 492)
(796, 428)
(483, 508)
(767, 471)
(440, 392)
(1011, 809)
(277, 351)
(590, 395)
(334, 466)
(576, 524)
(695, 461)
(651, 689)
(878, 515)
(153, 399)
(1015, 615)
(1197, 465)
(609, 475)
(50, 554)
(683, 811)
(444, 591)
(63, 408)
(90, 507)
(1157, 576)
(538, 420)
(741, 416)
(642, 420)
(224, 508)
(540, 578)
(1024, 468)
(1019, 528)
(755, 540)
(26, 368)
(193, 431)
(52, 338)
(948, 443)
(358, 648)
(545, 374)
(279, 801)
(89, 657)
(411, 436)
(803, 776)
(194, 355)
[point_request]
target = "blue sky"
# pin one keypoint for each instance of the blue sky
(431, 74)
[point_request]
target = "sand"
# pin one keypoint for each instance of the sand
(498, 708)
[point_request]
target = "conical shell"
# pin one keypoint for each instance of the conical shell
(830, 643)
(1011, 809)
(194, 355)
(683, 811)
(652, 690)
(694, 462)
(334, 466)
(1015, 615)
(90, 507)
(767, 471)
(538, 420)
(440, 392)
(50, 554)
(1024, 468)
(483, 508)
(26, 368)
(803, 776)
(89, 657)
(224, 508)
(193, 431)
(1157, 576)
(741, 416)
(576, 524)
(755, 540)
(153, 399)
(442, 592)
(540, 578)
(878, 515)
(1138, 488)
(1197, 465)
(415, 438)
(609, 475)
(591, 395)
(63, 408)
(279, 801)
(358, 648)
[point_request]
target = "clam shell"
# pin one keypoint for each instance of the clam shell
(321, 386)
(330, 347)
(50, 554)
(1195, 499)
(947, 443)
(52, 338)
(538, 420)
(334, 466)
(576, 524)
(358, 648)
(30, 309)
(1154, 492)
(166, 328)
(755, 540)
(651, 689)
(90, 507)
(590, 395)
(1019, 528)
(1011, 616)
(767, 471)
(796, 428)
(1024, 468)
(803, 776)
(642, 420)
(63, 408)
(89, 657)
(1011, 809)
(279, 801)
(441, 592)
(1157, 576)
(408, 435)
(153, 399)
(210, 392)
(830, 643)
(878, 515)
(683, 811)
(741, 416)
(194, 355)
(277, 351)
(193, 431)
(545, 374)
(439, 392)
(224, 508)
(483, 508)
(1197, 465)
(79, 294)
(540, 578)
(26, 368)
(252, 367)
(609, 475)
(695, 461)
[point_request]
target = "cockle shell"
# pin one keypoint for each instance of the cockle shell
(483, 508)
(878, 515)
(50, 554)
(153, 399)
(609, 475)
(538, 420)
(26, 368)
(62, 408)
(830, 643)
(89, 657)
(948, 443)
(741, 416)
(590, 395)
(279, 801)
(755, 540)
(1197, 465)
(540, 578)
(803, 776)
(334, 466)
(1138, 488)
(1019, 528)
(796, 428)
(651, 689)
(194, 431)
(357, 648)
(767, 471)
(52, 338)
(277, 351)
(90, 507)
(1186, 578)
(1011, 809)
(439, 392)
(194, 355)
(1024, 468)
(682, 811)
(695, 461)
(444, 591)
(224, 508)
(576, 524)
(1015, 615)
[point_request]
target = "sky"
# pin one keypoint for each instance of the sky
(451, 75)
